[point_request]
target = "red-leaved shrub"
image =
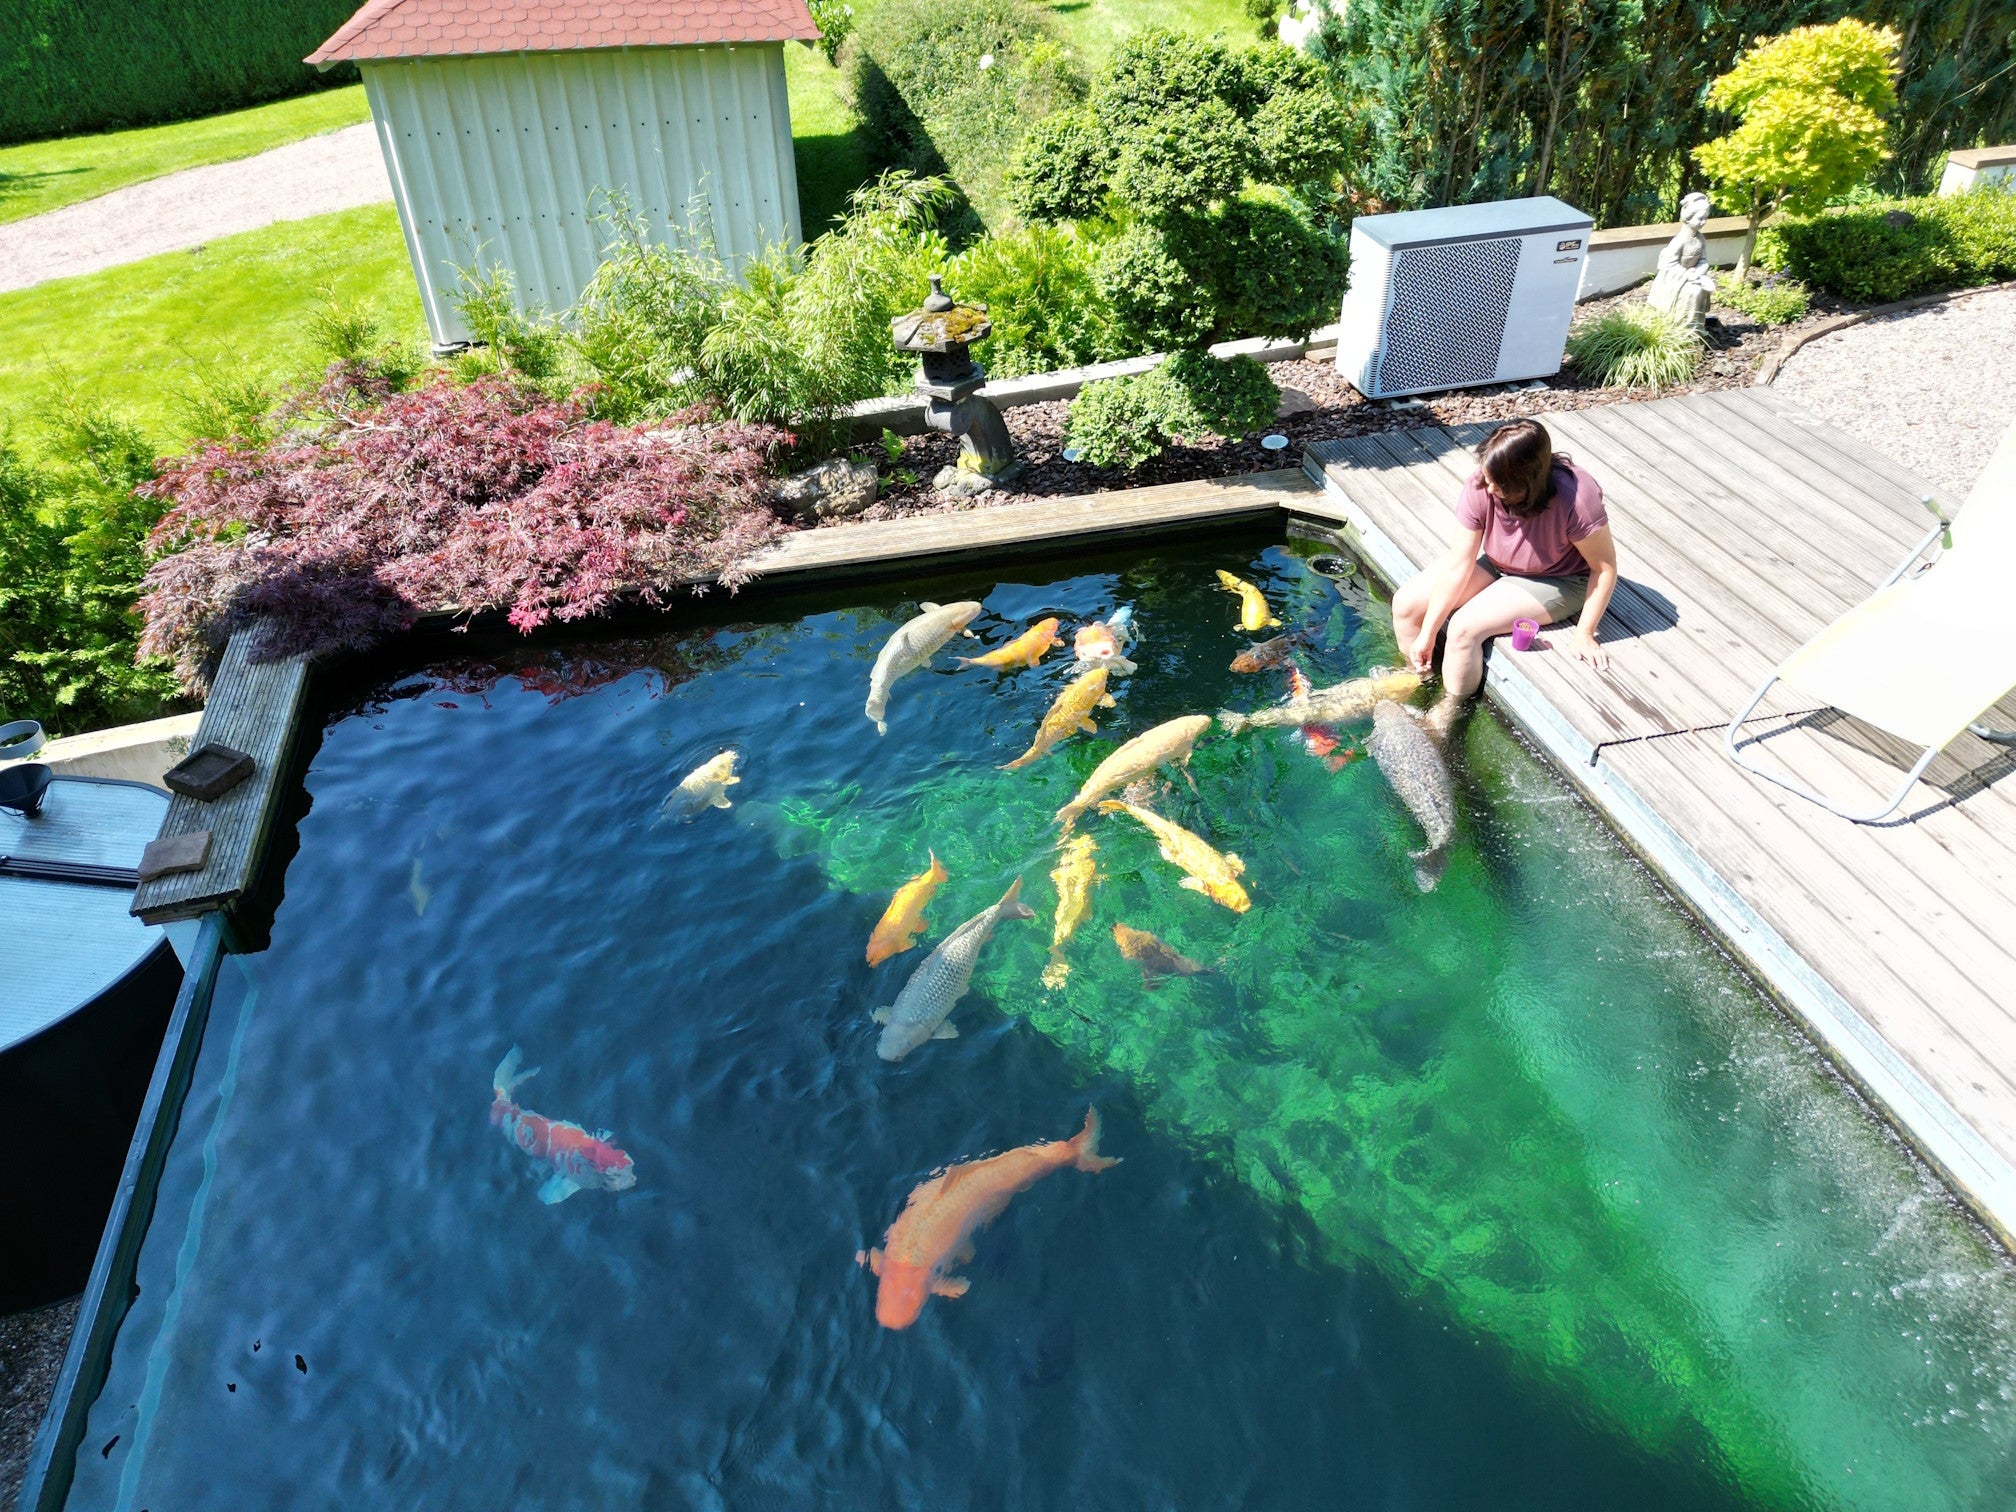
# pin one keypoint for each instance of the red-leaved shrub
(446, 498)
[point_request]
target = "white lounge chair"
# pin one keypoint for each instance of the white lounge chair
(1930, 651)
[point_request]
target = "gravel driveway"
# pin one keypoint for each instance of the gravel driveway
(338, 170)
(1933, 388)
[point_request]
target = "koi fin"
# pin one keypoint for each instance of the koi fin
(1238, 866)
(1192, 883)
(881, 727)
(950, 1286)
(945, 1031)
(870, 1258)
(1120, 666)
(963, 1255)
(721, 799)
(558, 1188)
(1088, 726)
(926, 606)
(879, 1016)
(1233, 723)
(1011, 904)
(1087, 1141)
(1108, 702)
(1428, 867)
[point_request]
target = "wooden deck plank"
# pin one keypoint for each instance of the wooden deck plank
(1746, 526)
(253, 707)
(886, 546)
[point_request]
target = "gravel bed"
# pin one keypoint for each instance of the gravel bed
(1323, 407)
(31, 1353)
(1946, 397)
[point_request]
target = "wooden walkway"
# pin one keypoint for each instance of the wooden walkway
(1743, 526)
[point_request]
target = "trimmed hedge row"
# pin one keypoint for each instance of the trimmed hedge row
(1893, 249)
(67, 66)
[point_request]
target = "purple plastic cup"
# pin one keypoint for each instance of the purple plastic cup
(1523, 631)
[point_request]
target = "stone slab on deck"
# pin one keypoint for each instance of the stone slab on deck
(1743, 526)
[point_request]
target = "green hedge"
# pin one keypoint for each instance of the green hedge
(949, 86)
(1892, 249)
(70, 66)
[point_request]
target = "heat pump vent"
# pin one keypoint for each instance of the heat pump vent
(1448, 320)
(1466, 294)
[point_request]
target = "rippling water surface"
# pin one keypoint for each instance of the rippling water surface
(1514, 1195)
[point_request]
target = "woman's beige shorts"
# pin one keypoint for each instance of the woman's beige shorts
(1561, 597)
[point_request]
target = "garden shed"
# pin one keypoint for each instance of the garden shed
(506, 124)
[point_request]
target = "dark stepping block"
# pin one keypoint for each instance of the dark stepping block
(208, 772)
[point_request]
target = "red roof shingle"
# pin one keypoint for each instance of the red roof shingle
(442, 28)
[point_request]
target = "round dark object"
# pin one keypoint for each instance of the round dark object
(1900, 219)
(22, 787)
(1333, 566)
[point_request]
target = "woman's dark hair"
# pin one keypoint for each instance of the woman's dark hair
(1518, 460)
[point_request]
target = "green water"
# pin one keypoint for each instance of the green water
(1538, 1101)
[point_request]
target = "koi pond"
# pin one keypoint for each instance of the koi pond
(1511, 1193)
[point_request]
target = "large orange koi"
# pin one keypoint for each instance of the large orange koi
(935, 1230)
(1027, 649)
(903, 920)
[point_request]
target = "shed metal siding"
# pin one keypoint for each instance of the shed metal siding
(498, 158)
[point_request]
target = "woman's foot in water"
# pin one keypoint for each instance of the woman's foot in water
(1442, 717)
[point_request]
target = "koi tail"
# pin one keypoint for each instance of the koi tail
(1011, 905)
(1085, 1145)
(1233, 723)
(509, 1078)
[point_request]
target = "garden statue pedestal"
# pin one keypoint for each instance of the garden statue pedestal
(1684, 286)
(950, 381)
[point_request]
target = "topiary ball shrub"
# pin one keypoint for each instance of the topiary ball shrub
(1872, 254)
(1038, 286)
(1777, 300)
(1636, 346)
(1194, 392)
(1060, 172)
(1192, 395)
(1112, 423)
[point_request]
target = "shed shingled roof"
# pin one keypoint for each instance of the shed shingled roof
(443, 28)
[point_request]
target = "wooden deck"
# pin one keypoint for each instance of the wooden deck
(1743, 525)
(254, 707)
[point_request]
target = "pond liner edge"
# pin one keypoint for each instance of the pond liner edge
(108, 1294)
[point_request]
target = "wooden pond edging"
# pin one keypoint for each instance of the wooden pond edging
(1744, 526)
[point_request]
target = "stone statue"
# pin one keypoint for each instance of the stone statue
(1685, 283)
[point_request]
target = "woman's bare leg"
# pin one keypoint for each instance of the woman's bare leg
(1411, 601)
(1486, 614)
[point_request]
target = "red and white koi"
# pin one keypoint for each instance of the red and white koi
(1319, 740)
(1102, 642)
(579, 1159)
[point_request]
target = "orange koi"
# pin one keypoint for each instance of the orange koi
(903, 920)
(935, 1230)
(1027, 649)
(579, 1159)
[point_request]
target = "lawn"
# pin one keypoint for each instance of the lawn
(39, 176)
(136, 335)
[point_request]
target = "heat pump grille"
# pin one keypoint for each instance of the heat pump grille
(1447, 318)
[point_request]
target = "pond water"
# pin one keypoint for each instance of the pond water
(1514, 1194)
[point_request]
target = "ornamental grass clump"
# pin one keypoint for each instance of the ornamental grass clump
(1636, 346)
(489, 496)
(1776, 300)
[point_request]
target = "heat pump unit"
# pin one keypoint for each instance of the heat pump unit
(1471, 294)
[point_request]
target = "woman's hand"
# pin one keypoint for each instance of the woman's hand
(1584, 647)
(1423, 650)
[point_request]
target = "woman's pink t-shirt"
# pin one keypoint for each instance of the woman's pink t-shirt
(1543, 546)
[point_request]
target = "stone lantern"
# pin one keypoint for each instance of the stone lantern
(940, 333)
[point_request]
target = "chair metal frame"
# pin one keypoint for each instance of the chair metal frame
(1943, 534)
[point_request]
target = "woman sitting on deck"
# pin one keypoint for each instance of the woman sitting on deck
(1532, 542)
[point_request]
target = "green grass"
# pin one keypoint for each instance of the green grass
(135, 335)
(825, 137)
(1093, 27)
(39, 176)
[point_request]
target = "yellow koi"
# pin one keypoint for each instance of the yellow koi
(903, 920)
(1027, 649)
(1253, 611)
(1168, 743)
(1208, 872)
(1071, 713)
(1074, 875)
